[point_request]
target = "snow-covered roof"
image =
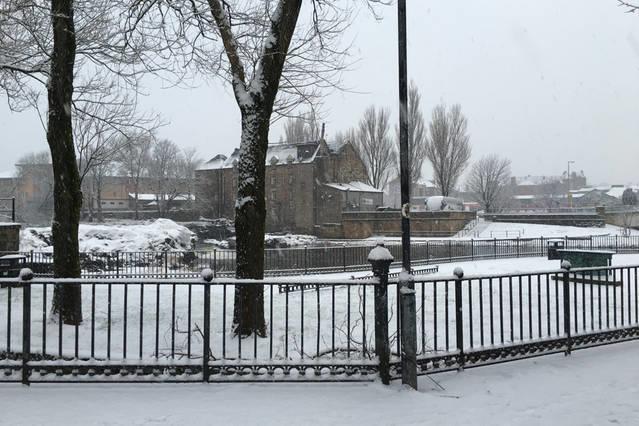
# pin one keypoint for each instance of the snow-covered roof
(524, 197)
(282, 153)
(6, 175)
(353, 187)
(336, 146)
(616, 191)
(153, 197)
(536, 180)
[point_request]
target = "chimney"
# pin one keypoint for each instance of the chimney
(323, 130)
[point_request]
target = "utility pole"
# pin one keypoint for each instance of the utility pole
(408, 332)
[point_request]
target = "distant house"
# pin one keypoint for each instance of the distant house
(307, 184)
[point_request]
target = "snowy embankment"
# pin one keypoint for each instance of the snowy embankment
(532, 230)
(595, 386)
(158, 235)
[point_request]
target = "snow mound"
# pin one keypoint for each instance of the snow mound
(288, 240)
(158, 235)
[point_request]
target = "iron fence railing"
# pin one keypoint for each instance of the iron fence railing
(317, 260)
(476, 320)
(181, 330)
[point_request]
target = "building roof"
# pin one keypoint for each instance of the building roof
(283, 153)
(536, 180)
(153, 197)
(353, 187)
(6, 175)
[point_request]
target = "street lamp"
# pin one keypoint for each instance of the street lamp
(408, 335)
(569, 186)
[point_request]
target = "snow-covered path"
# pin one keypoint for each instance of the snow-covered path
(594, 386)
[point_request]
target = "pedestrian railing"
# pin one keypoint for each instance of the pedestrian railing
(182, 330)
(317, 260)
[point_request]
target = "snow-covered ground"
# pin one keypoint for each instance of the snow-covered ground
(532, 230)
(300, 319)
(591, 387)
(157, 235)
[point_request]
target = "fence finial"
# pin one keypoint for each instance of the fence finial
(207, 275)
(26, 274)
(565, 264)
(458, 272)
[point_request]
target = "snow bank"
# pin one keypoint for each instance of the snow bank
(288, 240)
(158, 235)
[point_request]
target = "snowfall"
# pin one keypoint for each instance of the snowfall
(590, 387)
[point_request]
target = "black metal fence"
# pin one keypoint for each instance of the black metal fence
(181, 330)
(7, 209)
(468, 321)
(316, 260)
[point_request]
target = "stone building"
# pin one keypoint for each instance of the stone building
(307, 185)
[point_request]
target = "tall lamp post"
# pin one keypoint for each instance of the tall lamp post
(569, 186)
(408, 332)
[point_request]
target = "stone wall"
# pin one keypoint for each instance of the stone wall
(9, 237)
(358, 225)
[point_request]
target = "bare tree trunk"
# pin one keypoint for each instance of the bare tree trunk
(137, 191)
(250, 217)
(67, 299)
(98, 193)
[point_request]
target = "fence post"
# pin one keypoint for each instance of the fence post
(459, 319)
(117, 264)
(207, 276)
(305, 260)
(26, 275)
(408, 332)
(472, 249)
(427, 252)
(380, 259)
(495, 249)
(616, 243)
(565, 265)
(542, 248)
(450, 251)
(517, 246)
(13, 209)
(214, 263)
(344, 255)
(166, 264)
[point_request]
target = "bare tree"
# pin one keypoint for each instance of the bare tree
(375, 146)
(189, 162)
(629, 197)
(133, 161)
(488, 180)
(302, 129)
(58, 47)
(630, 7)
(164, 164)
(448, 147)
(417, 142)
(274, 62)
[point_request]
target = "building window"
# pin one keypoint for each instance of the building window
(291, 179)
(273, 195)
(272, 180)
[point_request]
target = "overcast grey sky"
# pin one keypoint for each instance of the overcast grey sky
(541, 82)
